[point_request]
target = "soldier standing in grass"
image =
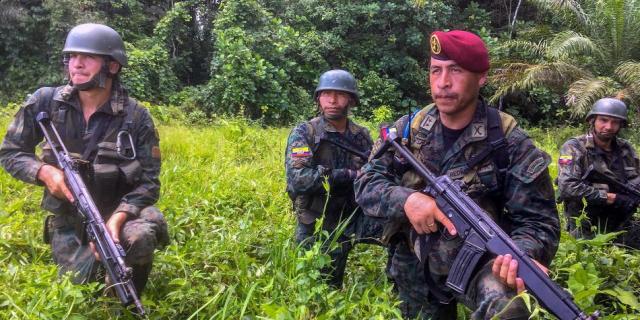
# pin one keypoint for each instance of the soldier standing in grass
(601, 149)
(500, 168)
(116, 146)
(329, 148)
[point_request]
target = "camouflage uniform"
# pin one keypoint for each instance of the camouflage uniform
(116, 184)
(622, 164)
(310, 159)
(520, 200)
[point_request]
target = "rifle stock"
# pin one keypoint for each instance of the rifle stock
(111, 253)
(481, 234)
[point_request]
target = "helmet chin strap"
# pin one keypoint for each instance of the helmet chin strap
(97, 81)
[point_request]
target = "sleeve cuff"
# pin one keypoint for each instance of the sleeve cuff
(131, 210)
(32, 173)
(401, 194)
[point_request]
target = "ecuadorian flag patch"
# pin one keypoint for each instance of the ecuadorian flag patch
(564, 160)
(300, 152)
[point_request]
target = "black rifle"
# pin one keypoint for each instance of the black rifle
(111, 254)
(594, 175)
(352, 149)
(481, 234)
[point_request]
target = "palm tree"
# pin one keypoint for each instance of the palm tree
(600, 58)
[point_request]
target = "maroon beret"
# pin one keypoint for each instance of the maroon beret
(463, 47)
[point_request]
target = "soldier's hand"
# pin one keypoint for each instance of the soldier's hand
(114, 224)
(505, 268)
(611, 198)
(53, 179)
(423, 214)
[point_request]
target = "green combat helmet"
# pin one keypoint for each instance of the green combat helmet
(339, 80)
(97, 39)
(609, 107)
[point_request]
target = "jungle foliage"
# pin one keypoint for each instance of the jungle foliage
(232, 254)
(260, 59)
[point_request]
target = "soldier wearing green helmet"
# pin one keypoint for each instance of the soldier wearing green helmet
(116, 146)
(600, 152)
(328, 148)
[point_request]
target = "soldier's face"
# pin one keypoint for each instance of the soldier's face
(334, 104)
(605, 127)
(453, 88)
(83, 67)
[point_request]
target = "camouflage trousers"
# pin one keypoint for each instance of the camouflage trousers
(486, 295)
(139, 238)
(603, 219)
(335, 272)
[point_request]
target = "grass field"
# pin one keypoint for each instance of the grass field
(231, 254)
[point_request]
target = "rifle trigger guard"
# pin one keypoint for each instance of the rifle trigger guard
(465, 263)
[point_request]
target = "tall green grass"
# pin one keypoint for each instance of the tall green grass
(231, 254)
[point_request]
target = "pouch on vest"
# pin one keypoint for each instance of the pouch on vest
(302, 206)
(106, 172)
(132, 170)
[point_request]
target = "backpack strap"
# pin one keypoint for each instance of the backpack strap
(497, 144)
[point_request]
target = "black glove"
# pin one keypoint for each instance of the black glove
(342, 176)
(624, 202)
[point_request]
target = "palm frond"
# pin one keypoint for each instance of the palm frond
(523, 48)
(522, 77)
(569, 44)
(583, 93)
(572, 6)
(628, 74)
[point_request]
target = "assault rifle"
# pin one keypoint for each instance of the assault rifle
(482, 235)
(347, 146)
(594, 175)
(111, 254)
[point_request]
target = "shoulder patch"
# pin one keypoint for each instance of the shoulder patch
(565, 160)
(155, 152)
(300, 152)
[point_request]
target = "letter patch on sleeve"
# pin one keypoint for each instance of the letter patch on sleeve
(565, 160)
(300, 152)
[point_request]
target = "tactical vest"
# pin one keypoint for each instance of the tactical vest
(107, 174)
(499, 126)
(310, 207)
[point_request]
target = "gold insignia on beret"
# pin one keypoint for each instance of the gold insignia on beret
(435, 44)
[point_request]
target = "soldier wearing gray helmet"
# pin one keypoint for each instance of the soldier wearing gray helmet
(116, 147)
(326, 148)
(607, 209)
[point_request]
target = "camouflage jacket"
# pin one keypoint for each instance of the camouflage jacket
(310, 157)
(115, 183)
(521, 200)
(579, 153)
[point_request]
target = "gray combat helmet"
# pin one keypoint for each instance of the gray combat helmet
(339, 80)
(96, 39)
(609, 107)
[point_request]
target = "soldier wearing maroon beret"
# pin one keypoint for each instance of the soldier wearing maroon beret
(498, 166)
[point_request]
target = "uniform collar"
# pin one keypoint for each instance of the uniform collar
(115, 105)
(590, 143)
(476, 130)
(328, 127)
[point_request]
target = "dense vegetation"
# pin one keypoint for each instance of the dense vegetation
(221, 78)
(260, 58)
(232, 255)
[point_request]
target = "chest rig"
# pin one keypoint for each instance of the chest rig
(421, 124)
(322, 146)
(106, 161)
